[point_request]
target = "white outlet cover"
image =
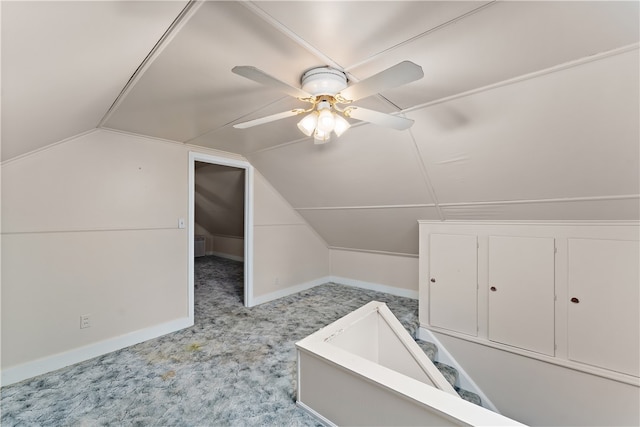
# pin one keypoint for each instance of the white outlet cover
(85, 321)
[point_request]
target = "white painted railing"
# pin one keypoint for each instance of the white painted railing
(365, 369)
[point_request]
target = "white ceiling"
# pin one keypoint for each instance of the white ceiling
(64, 63)
(528, 110)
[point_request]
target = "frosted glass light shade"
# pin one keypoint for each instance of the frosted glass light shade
(326, 121)
(308, 124)
(322, 122)
(341, 124)
(320, 137)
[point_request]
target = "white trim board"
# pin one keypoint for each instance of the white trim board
(569, 364)
(58, 361)
(465, 380)
(372, 251)
(313, 413)
(290, 290)
(378, 287)
(61, 360)
(407, 293)
(181, 20)
(248, 222)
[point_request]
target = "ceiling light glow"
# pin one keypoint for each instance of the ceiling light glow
(308, 124)
(324, 120)
(341, 124)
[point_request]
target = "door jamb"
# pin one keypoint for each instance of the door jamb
(248, 222)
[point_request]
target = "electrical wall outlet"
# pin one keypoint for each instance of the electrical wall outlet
(85, 321)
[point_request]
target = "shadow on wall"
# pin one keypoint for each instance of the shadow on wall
(219, 207)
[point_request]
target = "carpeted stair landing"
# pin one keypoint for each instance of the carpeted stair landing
(449, 372)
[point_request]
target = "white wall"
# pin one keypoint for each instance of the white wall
(90, 226)
(230, 247)
(392, 273)
(292, 255)
(538, 393)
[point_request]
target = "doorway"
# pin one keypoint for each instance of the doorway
(227, 235)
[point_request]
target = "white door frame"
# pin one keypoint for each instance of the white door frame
(248, 222)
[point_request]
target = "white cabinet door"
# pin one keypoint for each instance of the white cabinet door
(521, 292)
(453, 285)
(604, 323)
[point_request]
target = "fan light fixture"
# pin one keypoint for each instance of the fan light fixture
(325, 88)
(323, 83)
(322, 121)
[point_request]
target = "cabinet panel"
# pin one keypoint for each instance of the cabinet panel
(521, 295)
(604, 323)
(453, 286)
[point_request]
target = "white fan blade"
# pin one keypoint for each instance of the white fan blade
(398, 75)
(267, 119)
(259, 76)
(378, 118)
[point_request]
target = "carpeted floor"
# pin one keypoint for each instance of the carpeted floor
(235, 366)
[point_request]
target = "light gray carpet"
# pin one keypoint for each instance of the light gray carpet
(235, 367)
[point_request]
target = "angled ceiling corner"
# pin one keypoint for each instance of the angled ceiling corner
(64, 64)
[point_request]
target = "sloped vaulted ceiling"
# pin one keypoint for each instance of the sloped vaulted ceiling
(64, 63)
(527, 111)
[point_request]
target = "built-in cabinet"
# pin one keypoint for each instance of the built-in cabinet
(521, 292)
(604, 279)
(564, 293)
(453, 282)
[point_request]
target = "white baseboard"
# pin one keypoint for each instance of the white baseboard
(465, 380)
(227, 256)
(333, 279)
(407, 293)
(316, 415)
(57, 361)
(288, 291)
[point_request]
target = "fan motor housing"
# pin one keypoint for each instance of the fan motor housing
(323, 81)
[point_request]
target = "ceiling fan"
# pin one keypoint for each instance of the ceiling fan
(330, 96)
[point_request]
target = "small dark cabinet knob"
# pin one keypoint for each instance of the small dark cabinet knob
(493, 288)
(433, 280)
(575, 300)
